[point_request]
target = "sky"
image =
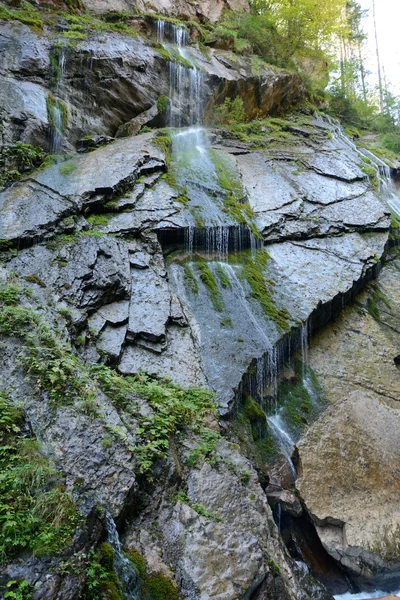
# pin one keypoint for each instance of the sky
(388, 20)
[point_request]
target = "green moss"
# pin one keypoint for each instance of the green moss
(98, 220)
(35, 279)
(53, 106)
(210, 284)
(253, 411)
(164, 142)
(190, 279)
(253, 271)
(226, 322)
(67, 168)
(138, 561)
(377, 297)
(274, 568)
(25, 13)
(163, 104)
(153, 587)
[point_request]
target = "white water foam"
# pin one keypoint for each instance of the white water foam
(366, 595)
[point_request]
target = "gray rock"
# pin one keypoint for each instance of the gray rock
(150, 310)
(29, 210)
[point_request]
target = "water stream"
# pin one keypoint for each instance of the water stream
(365, 595)
(126, 572)
(55, 106)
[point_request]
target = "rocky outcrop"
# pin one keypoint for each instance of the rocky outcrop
(137, 75)
(348, 459)
(211, 10)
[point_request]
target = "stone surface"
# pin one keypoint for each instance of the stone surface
(29, 210)
(349, 459)
(225, 555)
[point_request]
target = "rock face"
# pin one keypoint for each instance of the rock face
(211, 10)
(348, 459)
(137, 75)
(197, 256)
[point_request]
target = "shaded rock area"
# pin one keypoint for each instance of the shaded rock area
(348, 459)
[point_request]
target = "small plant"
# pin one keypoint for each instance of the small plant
(181, 497)
(274, 568)
(19, 590)
(231, 112)
(203, 512)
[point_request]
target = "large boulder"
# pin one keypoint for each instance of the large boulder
(348, 460)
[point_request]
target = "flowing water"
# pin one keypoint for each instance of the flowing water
(126, 572)
(185, 78)
(55, 106)
(365, 595)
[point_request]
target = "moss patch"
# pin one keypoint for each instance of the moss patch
(211, 285)
(152, 587)
(261, 290)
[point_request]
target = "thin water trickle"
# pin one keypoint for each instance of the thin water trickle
(126, 572)
(55, 106)
(283, 438)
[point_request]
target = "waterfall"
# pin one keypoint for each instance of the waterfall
(285, 442)
(382, 170)
(126, 572)
(185, 78)
(56, 107)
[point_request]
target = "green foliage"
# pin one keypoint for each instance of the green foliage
(203, 512)
(152, 587)
(205, 448)
(95, 574)
(181, 497)
(101, 578)
(173, 409)
(163, 104)
(46, 357)
(231, 112)
(19, 590)
(210, 284)
(19, 159)
(36, 514)
(26, 14)
(253, 272)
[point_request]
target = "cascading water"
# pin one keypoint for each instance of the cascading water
(382, 170)
(126, 572)
(55, 106)
(282, 436)
(184, 76)
(207, 224)
(366, 595)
